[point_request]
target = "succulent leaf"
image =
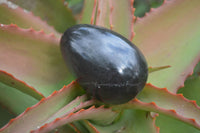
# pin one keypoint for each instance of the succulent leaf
(5, 116)
(90, 127)
(13, 99)
(164, 102)
(35, 116)
(54, 12)
(33, 57)
(103, 13)
(73, 106)
(171, 31)
(88, 13)
(168, 35)
(72, 126)
(130, 121)
(106, 13)
(191, 89)
(11, 81)
(23, 19)
(171, 125)
(66, 129)
(80, 115)
(125, 11)
(79, 127)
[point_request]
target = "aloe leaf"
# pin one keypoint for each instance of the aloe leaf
(33, 117)
(90, 126)
(5, 116)
(13, 99)
(191, 89)
(33, 57)
(79, 127)
(129, 122)
(106, 13)
(175, 102)
(103, 13)
(13, 93)
(164, 102)
(65, 129)
(125, 11)
(73, 106)
(23, 19)
(89, 11)
(52, 11)
(90, 113)
(172, 32)
(171, 125)
(11, 81)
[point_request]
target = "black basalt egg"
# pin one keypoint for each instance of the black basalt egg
(109, 67)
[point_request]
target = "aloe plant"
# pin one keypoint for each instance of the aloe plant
(39, 93)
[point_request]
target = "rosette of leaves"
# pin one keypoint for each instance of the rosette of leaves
(32, 72)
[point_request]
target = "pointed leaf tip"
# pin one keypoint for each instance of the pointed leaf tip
(154, 69)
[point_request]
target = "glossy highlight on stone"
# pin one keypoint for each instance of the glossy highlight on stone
(108, 66)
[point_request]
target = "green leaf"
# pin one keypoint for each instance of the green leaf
(103, 13)
(14, 91)
(90, 113)
(36, 115)
(107, 13)
(142, 6)
(170, 125)
(66, 129)
(14, 100)
(191, 89)
(33, 57)
(73, 106)
(169, 101)
(5, 116)
(79, 127)
(116, 9)
(89, 11)
(75, 5)
(52, 11)
(11, 81)
(169, 35)
(23, 19)
(162, 101)
(131, 121)
(90, 127)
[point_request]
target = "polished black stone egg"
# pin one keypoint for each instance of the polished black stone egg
(108, 66)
